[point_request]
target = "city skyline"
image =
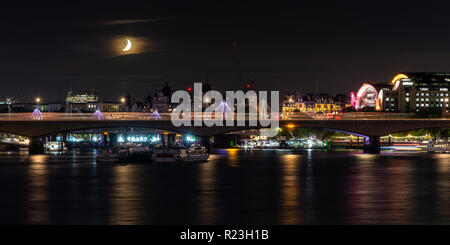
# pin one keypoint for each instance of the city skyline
(222, 122)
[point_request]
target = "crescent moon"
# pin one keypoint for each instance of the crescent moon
(128, 47)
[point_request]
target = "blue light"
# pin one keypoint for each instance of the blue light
(120, 139)
(154, 139)
(190, 138)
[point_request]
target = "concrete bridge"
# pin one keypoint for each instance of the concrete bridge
(369, 125)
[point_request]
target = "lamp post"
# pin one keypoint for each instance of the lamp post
(37, 102)
(9, 109)
(122, 100)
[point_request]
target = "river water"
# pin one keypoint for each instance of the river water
(233, 187)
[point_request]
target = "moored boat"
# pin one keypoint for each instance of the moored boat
(138, 153)
(180, 154)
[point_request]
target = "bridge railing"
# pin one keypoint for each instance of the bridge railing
(132, 116)
(347, 116)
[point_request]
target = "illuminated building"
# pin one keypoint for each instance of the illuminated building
(408, 92)
(161, 100)
(6, 104)
(312, 103)
(81, 101)
(422, 90)
(366, 97)
(105, 106)
(376, 95)
(7, 101)
(289, 104)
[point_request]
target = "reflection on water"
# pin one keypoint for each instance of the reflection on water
(290, 188)
(443, 183)
(206, 189)
(233, 187)
(38, 195)
(125, 200)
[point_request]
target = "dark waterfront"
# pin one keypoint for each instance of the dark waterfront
(234, 187)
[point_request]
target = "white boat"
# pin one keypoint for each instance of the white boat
(438, 147)
(197, 154)
(191, 154)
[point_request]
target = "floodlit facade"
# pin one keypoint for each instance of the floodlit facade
(312, 103)
(7, 101)
(416, 91)
(81, 101)
(408, 92)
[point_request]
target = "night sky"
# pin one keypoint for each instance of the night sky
(48, 49)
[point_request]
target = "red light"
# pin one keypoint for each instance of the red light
(248, 85)
(189, 89)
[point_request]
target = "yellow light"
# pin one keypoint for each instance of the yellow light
(398, 77)
(128, 47)
(290, 125)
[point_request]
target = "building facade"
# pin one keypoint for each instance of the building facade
(408, 92)
(81, 101)
(422, 91)
(312, 103)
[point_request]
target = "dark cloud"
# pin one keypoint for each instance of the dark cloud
(136, 21)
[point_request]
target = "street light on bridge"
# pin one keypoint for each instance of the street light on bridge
(122, 100)
(38, 100)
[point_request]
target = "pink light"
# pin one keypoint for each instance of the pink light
(353, 99)
(361, 92)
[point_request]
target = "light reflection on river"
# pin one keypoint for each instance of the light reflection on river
(233, 187)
